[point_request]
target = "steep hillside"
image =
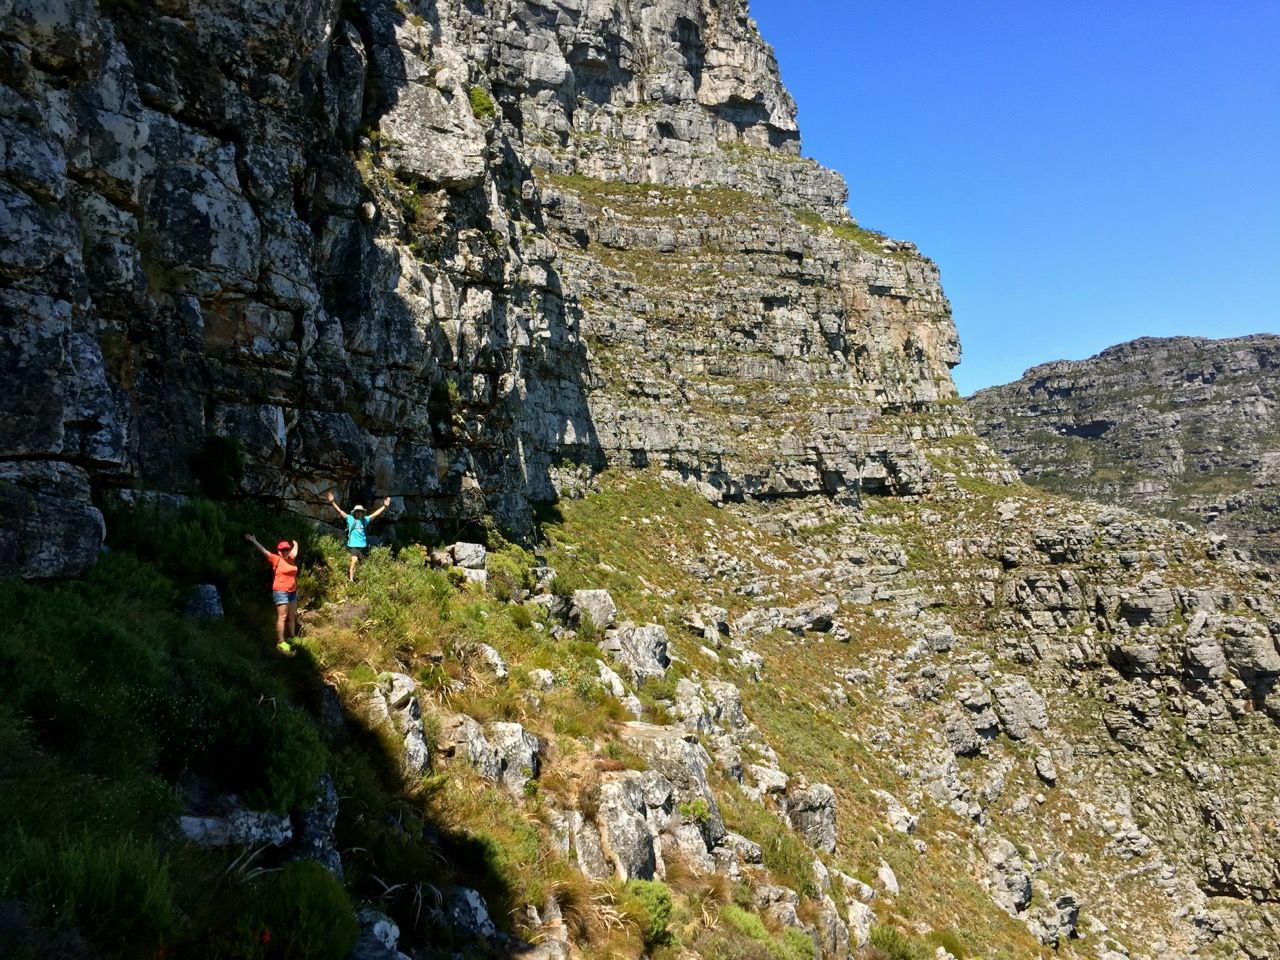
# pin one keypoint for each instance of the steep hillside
(990, 721)
(1181, 427)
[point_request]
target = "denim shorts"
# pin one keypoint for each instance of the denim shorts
(280, 597)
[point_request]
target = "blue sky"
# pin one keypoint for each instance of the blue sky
(1083, 173)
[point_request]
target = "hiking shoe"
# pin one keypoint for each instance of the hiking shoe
(284, 647)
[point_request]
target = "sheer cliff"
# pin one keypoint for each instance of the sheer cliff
(446, 252)
(1183, 427)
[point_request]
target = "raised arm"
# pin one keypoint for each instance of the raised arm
(261, 549)
(293, 554)
(386, 502)
(334, 503)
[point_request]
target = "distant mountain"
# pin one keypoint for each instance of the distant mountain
(1184, 427)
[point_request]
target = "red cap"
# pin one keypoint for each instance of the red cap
(284, 545)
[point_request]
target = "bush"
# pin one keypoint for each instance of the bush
(521, 617)
(300, 913)
(482, 104)
(792, 944)
(896, 944)
(649, 901)
(117, 894)
(561, 587)
(748, 924)
(588, 630)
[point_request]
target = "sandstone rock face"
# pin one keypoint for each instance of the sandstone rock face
(436, 252)
(1184, 427)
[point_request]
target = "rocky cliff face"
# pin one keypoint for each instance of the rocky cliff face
(437, 251)
(1183, 427)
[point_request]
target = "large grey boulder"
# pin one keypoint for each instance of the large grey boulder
(598, 603)
(518, 753)
(468, 555)
(628, 838)
(203, 603)
(394, 702)
(641, 651)
(676, 754)
(462, 737)
(811, 810)
(237, 825)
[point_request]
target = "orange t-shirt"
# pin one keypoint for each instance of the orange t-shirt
(286, 578)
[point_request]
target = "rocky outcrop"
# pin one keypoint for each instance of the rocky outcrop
(435, 252)
(1183, 427)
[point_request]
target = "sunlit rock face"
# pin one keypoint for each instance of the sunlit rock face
(446, 253)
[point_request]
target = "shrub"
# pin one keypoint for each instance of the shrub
(793, 944)
(896, 944)
(695, 810)
(482, 104)
(508, 573)
(560, 587)
(521, 617)
(748, 924)
(117, 894)
(300, 913)
(588, 630)
(649, 901)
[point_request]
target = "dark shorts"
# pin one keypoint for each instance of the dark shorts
(282, 599)
(358, 551)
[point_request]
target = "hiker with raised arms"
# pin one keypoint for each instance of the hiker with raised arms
(357, 526)
(284, 587)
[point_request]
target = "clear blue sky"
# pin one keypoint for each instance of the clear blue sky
(1083, 173)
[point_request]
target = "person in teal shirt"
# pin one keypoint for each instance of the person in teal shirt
(357, 527)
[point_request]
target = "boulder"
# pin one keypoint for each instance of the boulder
(518, 755)
(463, 737)
(238, 826)
(597, 603)
(811, 810)
(470, 556)
(1008, 878)
(642, 651)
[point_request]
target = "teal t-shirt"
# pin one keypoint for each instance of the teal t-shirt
(356, 531)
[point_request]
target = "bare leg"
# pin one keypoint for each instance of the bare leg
(282, 616)
(351, 570)
(292, 625)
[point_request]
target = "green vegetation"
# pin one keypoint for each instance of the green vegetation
(791, 944)
(896, 945)
(650, 901)
(871, 241)
(482, 104)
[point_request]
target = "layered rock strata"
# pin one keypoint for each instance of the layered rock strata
(407, 249)
(1184, 427)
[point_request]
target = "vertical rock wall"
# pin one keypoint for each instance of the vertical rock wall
(271, 247)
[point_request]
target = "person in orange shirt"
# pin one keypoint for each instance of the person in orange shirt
(284, 587)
